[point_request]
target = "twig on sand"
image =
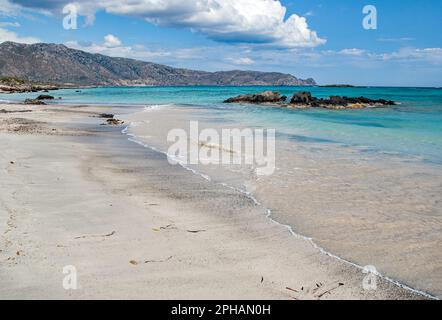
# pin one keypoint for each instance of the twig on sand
(318, 286)
(290, 289)
(157, 261)
(196, 231)
(134, 262)
(96, 235)
(168, 227)
(340, 284)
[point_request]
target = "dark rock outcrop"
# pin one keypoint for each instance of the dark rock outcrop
(302, 97)
(34, 102)
(114, 122)
(261, 97)
(45, 97)
(106, 115)
(305, 100)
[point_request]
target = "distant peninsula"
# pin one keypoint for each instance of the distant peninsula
(338, 86)
(63, 66)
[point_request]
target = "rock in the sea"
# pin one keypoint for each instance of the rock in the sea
(305, 99)
(34, 102)
(302, 97)
(45, 97)
(261, 97)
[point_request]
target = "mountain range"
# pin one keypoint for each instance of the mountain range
(58, 64)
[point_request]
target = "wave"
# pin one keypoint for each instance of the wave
(157, 106)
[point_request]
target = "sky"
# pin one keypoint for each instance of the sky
(391, 43)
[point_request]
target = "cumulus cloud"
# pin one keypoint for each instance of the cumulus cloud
(261, 22)
(7, 35)
(111, 41)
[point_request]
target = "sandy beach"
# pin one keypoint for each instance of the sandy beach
(77, 193)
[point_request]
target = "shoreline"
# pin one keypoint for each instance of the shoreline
(289, 228)
(116, 176)
(391, 270)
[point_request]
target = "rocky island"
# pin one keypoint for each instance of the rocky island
(304, 99)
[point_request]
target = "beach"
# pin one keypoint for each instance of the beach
(78, 193)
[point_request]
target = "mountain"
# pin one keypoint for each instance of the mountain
(58, 64)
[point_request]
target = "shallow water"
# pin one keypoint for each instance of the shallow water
(412, 128)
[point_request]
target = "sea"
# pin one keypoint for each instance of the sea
(413, 127)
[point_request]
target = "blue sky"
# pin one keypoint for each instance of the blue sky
(322, 39)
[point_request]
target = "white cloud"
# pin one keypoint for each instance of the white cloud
(111, 41)
(431, 55)
(7, 35)
(113, 47)
(253, 21)
(403, 39)
(9, 24)
(8, 9)
(261, 22)
(245, 61)
(352, 52)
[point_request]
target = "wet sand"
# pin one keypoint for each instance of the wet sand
(77, 193)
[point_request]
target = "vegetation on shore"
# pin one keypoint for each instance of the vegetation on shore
(17, 85)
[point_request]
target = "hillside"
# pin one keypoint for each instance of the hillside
(58, 64)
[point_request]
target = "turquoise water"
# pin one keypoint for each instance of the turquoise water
(413, 128)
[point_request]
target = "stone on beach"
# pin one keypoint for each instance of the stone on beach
(106, 115)
(114, 122)
(34, 102)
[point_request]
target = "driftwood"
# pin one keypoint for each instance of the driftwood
(96, 235)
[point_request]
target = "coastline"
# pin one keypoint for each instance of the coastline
(360, 210)
(79, 193)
